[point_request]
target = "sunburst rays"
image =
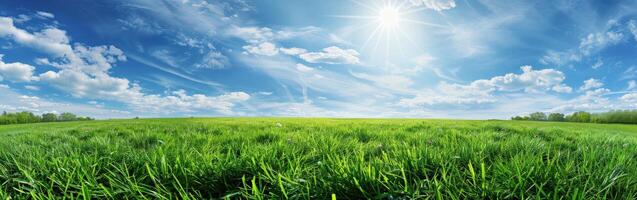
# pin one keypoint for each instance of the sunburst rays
(388, 21)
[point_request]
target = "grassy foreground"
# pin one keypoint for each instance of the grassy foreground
(271, 158)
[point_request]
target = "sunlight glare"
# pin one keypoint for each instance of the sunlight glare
(389, 16)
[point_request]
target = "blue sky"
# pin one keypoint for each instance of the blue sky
(473, 59)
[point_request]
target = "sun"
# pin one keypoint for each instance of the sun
(387, 27)
(388, 17)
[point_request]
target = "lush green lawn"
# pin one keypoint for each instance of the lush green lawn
(275, 158)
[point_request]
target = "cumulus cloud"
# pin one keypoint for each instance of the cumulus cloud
(265, 49)
(293, 51)
(437, 5)
(591, 100)
(453, 95)
(591, 84)
(94, 60)
(50, 40)
(252, 34)
(110, 88)
(84, 73)
(54, 41)
(562, 88)
(630, 97)
(180, 101)
(529, 81)
(16, 72)
(79, 84)
(213, 60)
(332, 55)
(481, 91)
(263, 40)
(256, 35)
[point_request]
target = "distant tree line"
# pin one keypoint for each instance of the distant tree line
(28, 117)
(613, 116)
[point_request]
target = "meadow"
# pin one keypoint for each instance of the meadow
(309, 158)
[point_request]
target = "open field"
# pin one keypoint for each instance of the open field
(274, 158)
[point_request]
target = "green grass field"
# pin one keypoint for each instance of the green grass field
(279, 158)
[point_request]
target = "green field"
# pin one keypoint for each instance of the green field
(279, 158)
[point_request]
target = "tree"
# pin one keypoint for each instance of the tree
(517, 118)
(49, 117)
(580, 116)
(28, 117)
(67, 117)
(538, 116)
(557, 117)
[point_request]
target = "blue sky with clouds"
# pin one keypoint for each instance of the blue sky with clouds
(471, 59)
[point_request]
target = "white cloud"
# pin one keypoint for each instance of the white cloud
(591, 100)
(45, 14)
(95, 60)
(631, 85)
(80, 84)
(252, 34)
(265, 49)
(562, 88)
(332, 55)
(21, 18)
(591, 84)
(179, 101)
(481, 91)
(13, 101)
(32, 87)
(144, 26)
(16, 72)
(50, 40)
(478, 92)
(437, 5)
(630, 98)
(589, 45)
(118, 89)
(303, 68)
(92, 60)
(283, 69)
(530, 80)
(84, 73)
(293, 51)
(256, 35)
(166, 57)
(213, 60)
(289, 33)
(263, 40)
(597, 41)
(560, 58)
